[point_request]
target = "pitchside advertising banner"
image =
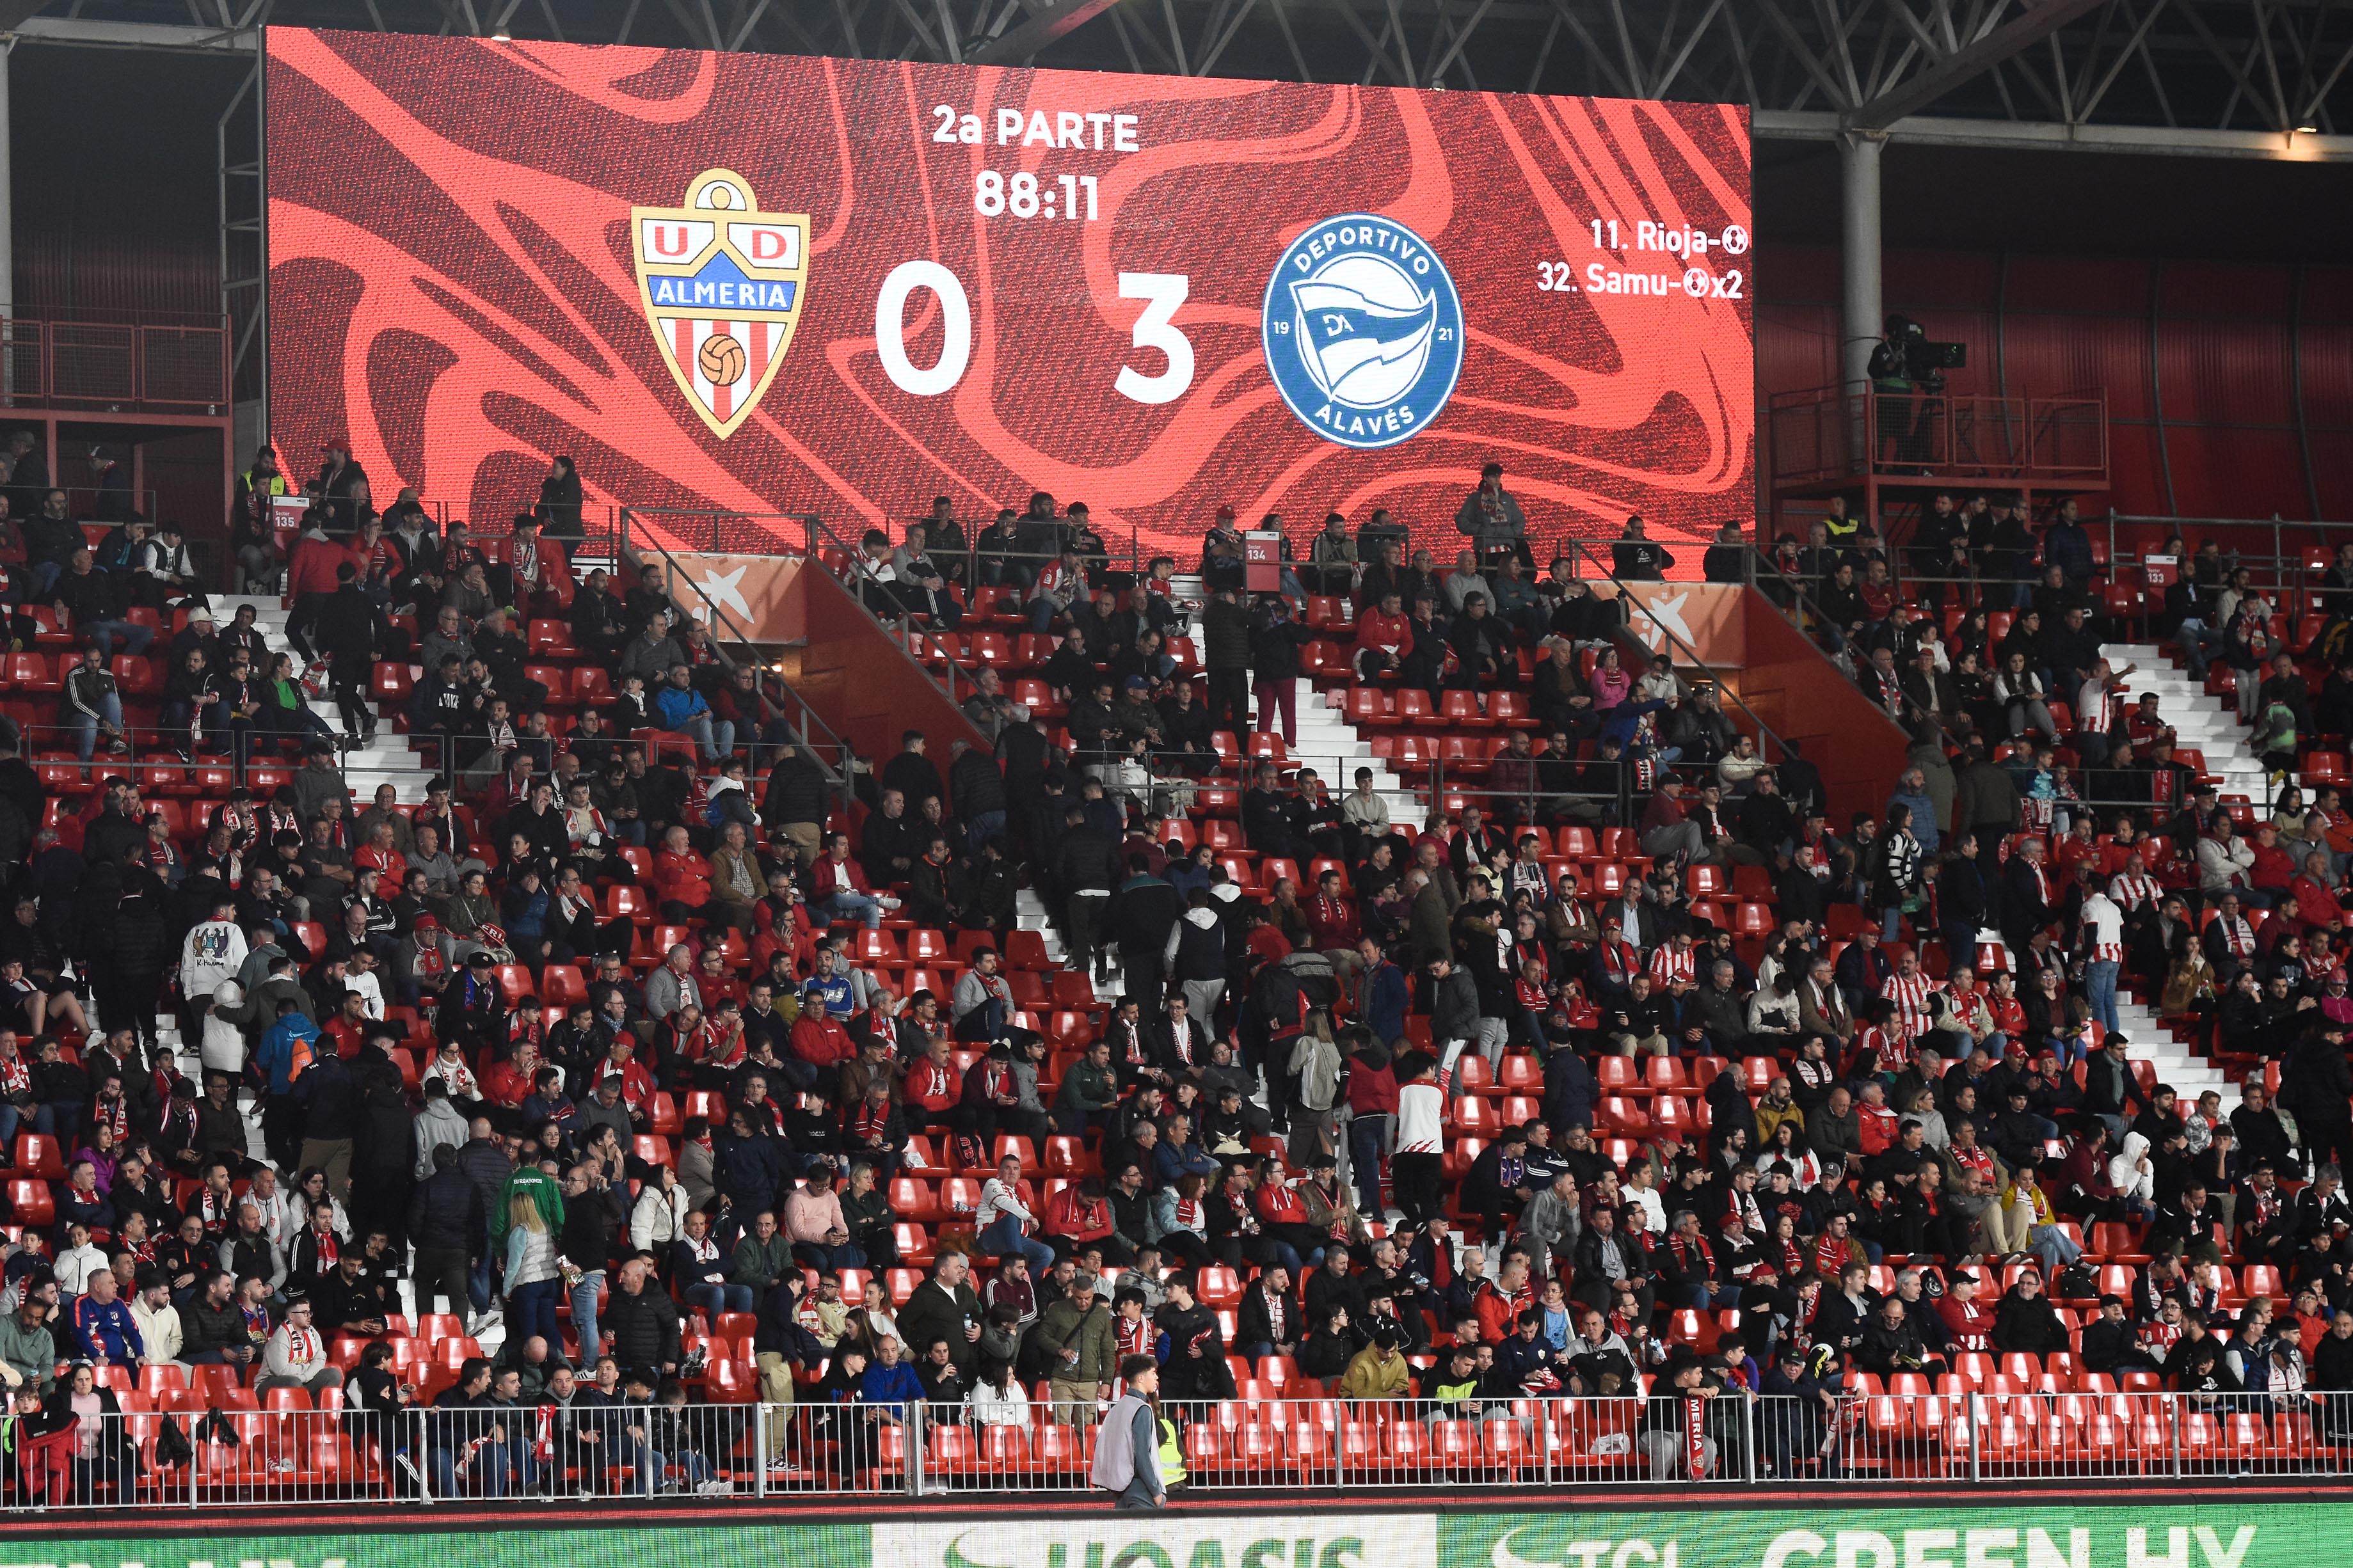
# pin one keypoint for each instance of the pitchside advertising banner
(764, 283)
(1930, 1535)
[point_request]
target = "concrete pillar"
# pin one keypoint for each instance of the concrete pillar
(7, 234)
(1859, 181)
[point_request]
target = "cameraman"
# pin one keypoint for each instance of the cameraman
(1897, 378)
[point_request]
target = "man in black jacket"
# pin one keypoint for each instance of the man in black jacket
(946, 1307)
(1634, 559)
(212, 1325)
(1144, 911)
(1085, 867)
(1796, 1414)
(642, 1320)
(1196, 1368)
(1270, 814)
(1025, 753)
(446, 1224)
(1846, 1310)
(795, 801)
(1269, 1322)
(95, 601)
(1482, 648)
(977, 785)
(347, 633)
(1275, 642)
(347, 1301)
(2314, 1088)
(2030, 898)
(2110, 1090)
(1891, 1343)
(1226, 655)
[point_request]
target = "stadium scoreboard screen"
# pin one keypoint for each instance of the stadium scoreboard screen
(769, 283)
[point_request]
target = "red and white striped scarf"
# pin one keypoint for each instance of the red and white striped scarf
(2238, 936)
(1911, 995)
(1688, 1249)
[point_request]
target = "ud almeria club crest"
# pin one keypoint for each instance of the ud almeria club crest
(722, 282)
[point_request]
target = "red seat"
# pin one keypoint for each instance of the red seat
(875, 946)
(593, 685)
(135, 675)
(1219, 1287)
(552, 640)
(515, 982)
(562, 984)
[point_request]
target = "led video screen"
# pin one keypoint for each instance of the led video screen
(780, 284)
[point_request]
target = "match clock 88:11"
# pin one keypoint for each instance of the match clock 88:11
(1025, 194)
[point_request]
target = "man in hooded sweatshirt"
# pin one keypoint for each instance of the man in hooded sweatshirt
(1195, 957)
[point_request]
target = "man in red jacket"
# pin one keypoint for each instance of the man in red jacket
(1501, 1301)
(1372, 1111)
(508, 1084)
(932, 1087)
(681, 876)
(1383, 636)
(817, 1038)
(1970, 1320)
(1332, 923)
(1078, 1218)
(838, 889)
(311, 578)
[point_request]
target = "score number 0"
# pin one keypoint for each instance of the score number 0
(1162, 292)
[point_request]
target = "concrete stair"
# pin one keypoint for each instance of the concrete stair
(388, 759)
(2210, 725)
(2206, 724)
(2191, 1073)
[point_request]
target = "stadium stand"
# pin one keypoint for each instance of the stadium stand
(555, 1044)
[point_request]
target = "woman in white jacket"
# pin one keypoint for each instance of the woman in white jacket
(998, 1399)
(2021, 692)
(659, 1217)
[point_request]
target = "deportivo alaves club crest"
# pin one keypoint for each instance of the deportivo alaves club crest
(721, 284)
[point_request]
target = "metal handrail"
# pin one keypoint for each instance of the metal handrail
(1941, 413)
(1854, 1441)
(806, 720)
(907, 632)
(972, 530)
(1689, 654)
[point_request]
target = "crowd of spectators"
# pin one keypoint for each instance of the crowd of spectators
(693, 1070)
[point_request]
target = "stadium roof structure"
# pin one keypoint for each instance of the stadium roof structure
(2247, 78)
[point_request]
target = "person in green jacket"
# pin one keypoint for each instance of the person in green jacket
(536, 1185)
(761, 1255)
(26, 1346)
(1076, 1344)
(1090, 1089)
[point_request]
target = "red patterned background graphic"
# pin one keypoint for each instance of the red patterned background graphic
(452, 288)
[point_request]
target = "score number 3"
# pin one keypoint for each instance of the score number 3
(1163, 293)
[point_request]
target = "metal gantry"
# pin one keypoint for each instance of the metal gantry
(1809, 68)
